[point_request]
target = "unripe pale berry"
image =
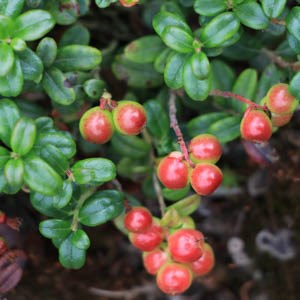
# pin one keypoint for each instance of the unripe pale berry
(96, 125)
(138, 219)
(154, 260)
(173, 171)
(256, 126)
(149, 239)
(205, 148)
(186, 245)
(205, 178)
(279, 100)
(128, 3)
(281, 120)
(205, 263)
(129, 117)
(174, 278)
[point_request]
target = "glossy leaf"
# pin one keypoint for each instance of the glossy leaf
(186, 206)
(9, 116)
(55, 228)
(64, 196)
(209, 7)
(101, 207)
(93, 171)
(4, 156)
(23, 136)
(47, 51)
(75, 35)
(161, 60)
(77, 58)
(14, 174)
(11, 8)
(94, 88)
(6, 58)
(273, 8)
(294, 86)
(219, 30)
(293, 22)
(54, 84)
(80, 239)
(40, 177)
(65, 15)
(6, 26)
(200, 65)
(33, 24)
(175, 195)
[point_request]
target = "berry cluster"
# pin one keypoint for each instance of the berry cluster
(174, 172)
(97, 125)
(175, 256)
(257, 126)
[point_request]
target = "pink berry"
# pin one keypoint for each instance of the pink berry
(138, 219)
(154, 260)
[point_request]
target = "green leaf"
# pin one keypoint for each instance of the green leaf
(47, 51)
(2, 181)
(77, 58)
(4, 156)
(104, 3)
(161, 60)
(80, 239)
(94, 88)
(12, 83)
(18, 44)
(196, 89)
(55, 158)
(93, 170)
(293, 22)
(200, 65)
(9, 116)
(251, 15)
(40, 177)
(157, 119)
(293, 42)
(132, 146)
(55, 228)
(6, 26)
(201, 123)
(44, 124)
(173, 74)
(101, 207)
(63, 16)
(294, 86)
(209, 7)
(219, 30)
(166, 19)
(136, 75)
(14, 174)
(31, 65)
(33, 24)
(186, 206)
(245, 86)
(227, 129)
(6, 59)
(178, 39)
(11, 8)
(273, 8)
(64, 196)
(70, 256)
(75, 35)
(175, 195)
(54, 84)
(23, 136)
(144, 49)
(58, 139)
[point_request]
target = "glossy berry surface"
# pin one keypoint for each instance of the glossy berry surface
(186, 245)
(256, 126)
(205, 178)
(173, 171)
(149, 239)
(174, 278)
(96, 125)
(129, 117)
(205, 263)
(138, 219)
(279, 100)
(154, 260)
(205, 148)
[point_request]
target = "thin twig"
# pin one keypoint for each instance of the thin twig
(176, 128)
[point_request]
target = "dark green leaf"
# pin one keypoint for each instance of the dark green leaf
(209, 7)
(75, 35)
(294, 86)
(93, 170)
(175, 195)
(104, 3)
(273, 8)
(4, 156)
(64, 196)
(14, 174)
(63, 16)
(161, 60)
(44, 124)
(47, 51)
(80, 239)
(6, 58)
(200, 65)
(293, 22)
(33, 24)
(55, 228)
(11, 8)
(101, 207)
(94, 88)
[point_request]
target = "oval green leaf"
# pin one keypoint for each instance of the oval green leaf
(80, 239)
(6, 59)
(55, 228)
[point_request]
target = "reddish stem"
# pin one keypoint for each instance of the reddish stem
(175, 126)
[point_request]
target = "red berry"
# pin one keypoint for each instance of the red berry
(129, 117)
(256, 126)
(149, 239)
(138, 219)
(154, 260)
(128, 3)
(205, 178)
(205, 148)
(173, 171)
(96, 125)
(174, 278)
(279, 100)
(186, 245)
(2, 217)
(205, 263)
(3, 246)
(281, 120)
